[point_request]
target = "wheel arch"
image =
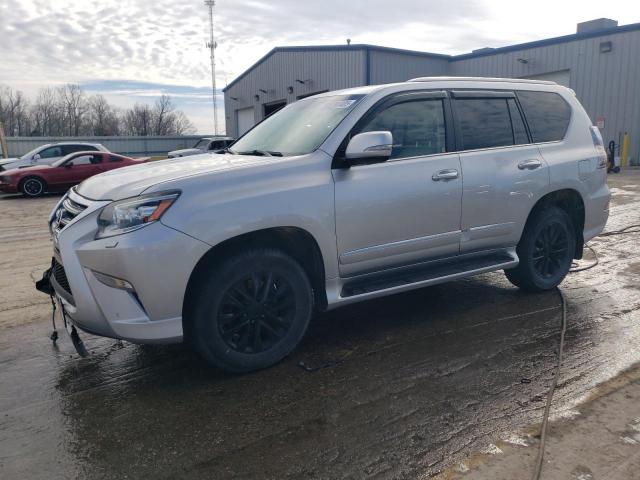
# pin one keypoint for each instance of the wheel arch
(294, 241)
(571, 201)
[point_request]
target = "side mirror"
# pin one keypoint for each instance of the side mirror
(369, 146)
(68, 165)
(36, 157)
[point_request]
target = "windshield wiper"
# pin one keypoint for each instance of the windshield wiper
(260, 153)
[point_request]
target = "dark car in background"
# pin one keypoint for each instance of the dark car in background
(62, 174)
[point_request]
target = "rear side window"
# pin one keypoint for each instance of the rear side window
(417, 127)
(113, 158)
(484, 122)
(67, 149)
(547, 114)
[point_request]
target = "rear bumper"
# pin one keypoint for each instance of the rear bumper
(596, 212)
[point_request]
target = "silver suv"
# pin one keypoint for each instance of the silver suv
(338, 198)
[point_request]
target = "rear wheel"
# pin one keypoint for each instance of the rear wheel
(546, 251)
(32, 186)
(251, 310)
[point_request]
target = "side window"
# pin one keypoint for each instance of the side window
(51, 152)
(484, 122)
(216, 145)
(519, 131)
(82, 160)
(417, 127)
(113, 158)
(547, 113)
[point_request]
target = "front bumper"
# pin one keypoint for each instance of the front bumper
(8, 188)
(156, 260)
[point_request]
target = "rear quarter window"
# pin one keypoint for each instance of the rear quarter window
(547, 114)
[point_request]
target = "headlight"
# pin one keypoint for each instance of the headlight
(133, 213)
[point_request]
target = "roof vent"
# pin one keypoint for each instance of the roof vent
(597, 24)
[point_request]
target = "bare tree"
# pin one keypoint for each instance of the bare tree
(75, 106)
(138, 120)
(45, 113)
(102, 118)
(67, 110)
(162, 115)
(14, 112)
(182, 125)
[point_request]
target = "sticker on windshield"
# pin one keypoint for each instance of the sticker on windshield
(343, 103)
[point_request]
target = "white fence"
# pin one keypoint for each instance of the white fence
(137, 146)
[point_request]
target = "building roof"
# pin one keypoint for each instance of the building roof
(450, 58)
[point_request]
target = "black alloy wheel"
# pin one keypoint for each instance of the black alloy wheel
(550, 250)
(546, 250)
(256, 312)
(249, 310)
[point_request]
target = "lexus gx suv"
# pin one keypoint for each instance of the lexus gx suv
(338, 198)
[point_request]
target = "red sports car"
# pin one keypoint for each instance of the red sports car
(63, 174)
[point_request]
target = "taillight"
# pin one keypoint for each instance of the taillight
(599, 145)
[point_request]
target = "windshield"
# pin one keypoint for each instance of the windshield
(57, 163)
(28, 155)
(299, 128)
(202, 144)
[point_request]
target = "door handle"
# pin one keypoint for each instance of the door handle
(530, 164)
(448, 174)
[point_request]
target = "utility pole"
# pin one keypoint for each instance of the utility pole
(211, 45)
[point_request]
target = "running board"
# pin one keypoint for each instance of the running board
(430, 273)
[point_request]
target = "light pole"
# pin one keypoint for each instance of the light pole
(211, 45)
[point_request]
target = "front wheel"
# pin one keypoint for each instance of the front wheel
(32, 187)
(251, 310)
(546, 251)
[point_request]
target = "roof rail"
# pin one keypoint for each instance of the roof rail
(481, 79)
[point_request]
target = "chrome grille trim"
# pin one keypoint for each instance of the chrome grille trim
(66, 212)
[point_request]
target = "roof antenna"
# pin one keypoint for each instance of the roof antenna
(348, 41)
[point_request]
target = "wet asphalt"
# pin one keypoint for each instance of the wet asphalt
(399, 387)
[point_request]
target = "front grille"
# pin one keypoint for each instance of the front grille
(67, 211)
(60, 276)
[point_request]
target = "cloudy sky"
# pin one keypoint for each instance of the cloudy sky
(134, 50)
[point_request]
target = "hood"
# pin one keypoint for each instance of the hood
(133, 180)
(35, 168)
(4, 161)
(186, 151)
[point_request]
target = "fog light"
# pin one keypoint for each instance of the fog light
(113, 282)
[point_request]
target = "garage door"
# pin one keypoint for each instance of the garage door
(246, 119)
(561, 77)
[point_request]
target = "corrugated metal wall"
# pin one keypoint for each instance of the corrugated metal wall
(139, 146)
(320, 70)
(389, 67)
(607, 84)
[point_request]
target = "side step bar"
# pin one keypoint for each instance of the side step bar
(430, 273)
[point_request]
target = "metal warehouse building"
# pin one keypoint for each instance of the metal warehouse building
(601, 63)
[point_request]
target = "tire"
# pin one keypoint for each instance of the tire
(546, 251)
(237, 323)
(33, 187)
